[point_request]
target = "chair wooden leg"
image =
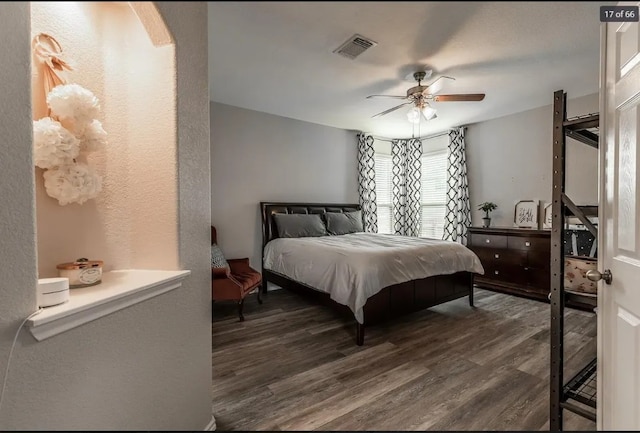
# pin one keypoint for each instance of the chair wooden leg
(259, 298)
(240, 306)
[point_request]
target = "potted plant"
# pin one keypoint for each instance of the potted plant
(487, 207)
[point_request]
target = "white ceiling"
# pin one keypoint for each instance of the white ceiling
(276, 57)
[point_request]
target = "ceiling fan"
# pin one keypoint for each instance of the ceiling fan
(419, 96)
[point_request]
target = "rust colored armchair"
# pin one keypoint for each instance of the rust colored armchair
(235, 281)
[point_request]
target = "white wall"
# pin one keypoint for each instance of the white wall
(509, 159)
(262, 157)
(147, 367)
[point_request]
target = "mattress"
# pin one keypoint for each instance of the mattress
(353, 267)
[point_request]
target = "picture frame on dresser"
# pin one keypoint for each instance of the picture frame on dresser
(547, 217)
(525, 215)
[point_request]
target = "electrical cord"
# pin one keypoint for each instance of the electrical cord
(6, 372)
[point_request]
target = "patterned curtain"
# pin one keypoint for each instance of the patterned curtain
(458, 211)
(367, 182)
(407, 171)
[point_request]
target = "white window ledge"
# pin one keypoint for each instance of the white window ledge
(118, 290)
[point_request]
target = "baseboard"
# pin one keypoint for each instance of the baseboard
(212, 425)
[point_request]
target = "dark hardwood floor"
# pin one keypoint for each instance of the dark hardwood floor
(294, 365)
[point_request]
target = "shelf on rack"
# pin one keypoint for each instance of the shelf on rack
(580, 123)
(580, 298)
(590, 211)
(582, 388)
(584, 129)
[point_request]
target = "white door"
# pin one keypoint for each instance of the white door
(619, 301)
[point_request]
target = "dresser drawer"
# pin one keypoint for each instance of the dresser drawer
(489, 255)
(528, 243)
(488, 241)
(501, 272)
(539, 278)
(539, 259)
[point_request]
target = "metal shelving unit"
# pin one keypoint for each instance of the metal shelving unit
(579, 393)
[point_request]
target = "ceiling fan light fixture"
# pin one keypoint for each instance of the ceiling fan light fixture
(413, 115)
(429, 112)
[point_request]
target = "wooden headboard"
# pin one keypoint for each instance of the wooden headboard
(268, 209)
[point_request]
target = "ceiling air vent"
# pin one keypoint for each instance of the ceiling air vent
(355, 46)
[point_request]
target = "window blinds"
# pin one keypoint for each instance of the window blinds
(384, 187)
(433, 193)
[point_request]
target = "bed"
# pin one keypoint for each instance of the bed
(372, 277)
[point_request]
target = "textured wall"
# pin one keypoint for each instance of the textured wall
(18, 274)
(188, 22)
(509, 159)
(147, 367)
(262, 157)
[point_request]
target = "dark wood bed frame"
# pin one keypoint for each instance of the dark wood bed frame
(391, 301)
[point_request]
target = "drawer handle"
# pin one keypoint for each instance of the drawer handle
(497, 256)
(488, 241)
(526, 269)
(496, 272)
(527, 244)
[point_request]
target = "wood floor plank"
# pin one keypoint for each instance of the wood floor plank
(529, 412)
(312, 417)
(331, 369)
(294, 365)
(402, 404)
(470, 404)
(266, 413)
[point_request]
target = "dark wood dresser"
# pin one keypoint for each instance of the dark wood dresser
(515, 261)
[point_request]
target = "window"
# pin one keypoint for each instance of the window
(433, 193)
(384, 186)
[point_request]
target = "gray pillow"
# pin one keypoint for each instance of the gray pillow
(339, 223)
(299, 225)
(217, 257)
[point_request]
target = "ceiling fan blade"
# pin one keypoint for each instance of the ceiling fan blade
(387, 96)
(392, 109)
(436, 86)
(460, 97)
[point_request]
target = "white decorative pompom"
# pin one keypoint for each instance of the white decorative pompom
(73, 183)
(94, 137)
(53, 145)
(74, 102)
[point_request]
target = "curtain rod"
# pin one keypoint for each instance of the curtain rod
(390, 140)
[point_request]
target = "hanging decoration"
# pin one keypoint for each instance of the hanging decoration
(72, 183)
(70, 131)
(53, 144)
